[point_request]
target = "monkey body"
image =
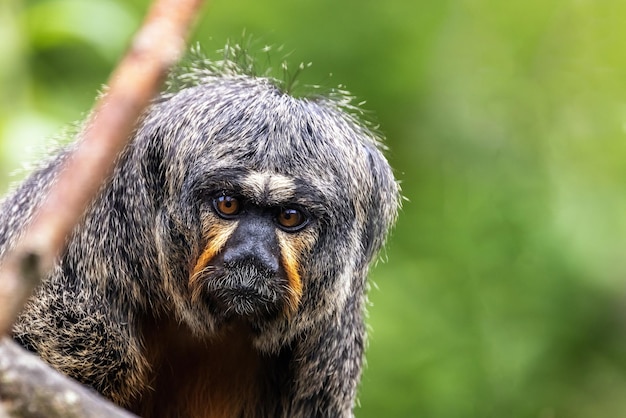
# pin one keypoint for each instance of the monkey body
(221, 271)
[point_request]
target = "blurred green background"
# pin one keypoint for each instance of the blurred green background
(503, 293)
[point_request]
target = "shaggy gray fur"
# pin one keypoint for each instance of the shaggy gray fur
(128, 261)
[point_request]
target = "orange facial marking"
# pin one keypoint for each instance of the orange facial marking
(217, 237)
(290, 251)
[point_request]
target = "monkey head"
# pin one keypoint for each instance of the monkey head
(255, 237)
(269, 209)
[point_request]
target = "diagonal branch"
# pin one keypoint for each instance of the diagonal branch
(158, 44)
(31, 388)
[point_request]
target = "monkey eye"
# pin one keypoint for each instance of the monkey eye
(227, 206)
(291, 219)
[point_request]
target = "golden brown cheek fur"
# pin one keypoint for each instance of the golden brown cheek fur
(217, 237)
(292, 247)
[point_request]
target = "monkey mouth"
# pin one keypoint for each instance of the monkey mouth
(245, 293)
(242, 302)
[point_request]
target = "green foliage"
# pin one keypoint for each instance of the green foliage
(503, 294)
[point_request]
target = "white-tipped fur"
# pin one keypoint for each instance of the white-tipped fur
(118, 302)
(274, 188)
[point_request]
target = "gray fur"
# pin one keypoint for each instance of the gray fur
(128, 261)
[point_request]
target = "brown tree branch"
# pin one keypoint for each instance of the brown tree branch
(30, 388)
(157, 45)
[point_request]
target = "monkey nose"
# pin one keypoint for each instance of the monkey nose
(251, 253)
(254, 243)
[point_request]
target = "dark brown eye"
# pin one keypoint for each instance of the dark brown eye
(227, 206)
(291, 219)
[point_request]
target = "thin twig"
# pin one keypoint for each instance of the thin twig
(158, 44)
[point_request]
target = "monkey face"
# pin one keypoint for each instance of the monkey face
(270, 208)
(255, 233)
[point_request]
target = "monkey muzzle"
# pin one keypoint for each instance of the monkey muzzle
(245, 279)
(246, 291)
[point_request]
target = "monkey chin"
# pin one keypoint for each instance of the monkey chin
(245, 293)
